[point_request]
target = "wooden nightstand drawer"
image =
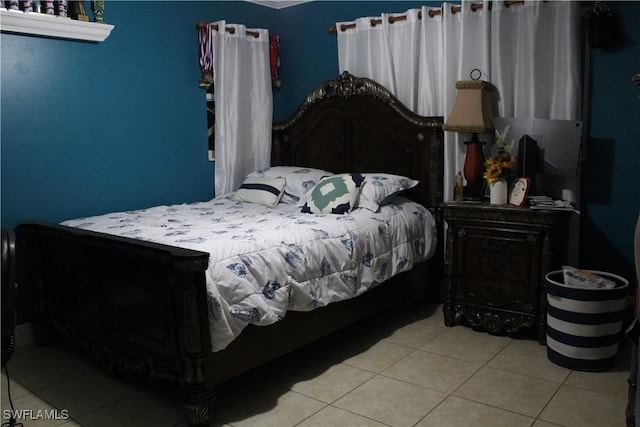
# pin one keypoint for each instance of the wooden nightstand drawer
(499, 255)
(495, 264)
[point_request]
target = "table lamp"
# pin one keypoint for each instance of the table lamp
(472, 113)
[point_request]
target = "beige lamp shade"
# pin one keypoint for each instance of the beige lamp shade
(472, 112)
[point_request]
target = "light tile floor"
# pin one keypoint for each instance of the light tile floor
(401, 368)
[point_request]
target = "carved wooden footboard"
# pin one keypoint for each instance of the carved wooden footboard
(136, 307)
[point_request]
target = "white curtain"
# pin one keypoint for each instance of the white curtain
(244, 104)
(364, 52)
(529, 51)
(535, 59)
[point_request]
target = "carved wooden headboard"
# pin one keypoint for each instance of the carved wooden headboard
(353, 124)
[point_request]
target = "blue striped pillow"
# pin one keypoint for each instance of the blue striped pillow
(264, 191)
(300, 180)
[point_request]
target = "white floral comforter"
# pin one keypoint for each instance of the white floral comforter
(267, 260)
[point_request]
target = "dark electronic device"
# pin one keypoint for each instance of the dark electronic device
(527, 158)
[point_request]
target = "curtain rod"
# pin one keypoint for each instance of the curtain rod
(231, 30)
(432, 13)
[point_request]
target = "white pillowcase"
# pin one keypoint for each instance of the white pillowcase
(299, 180)
(264, 191)
(336, 194)
(380, 188)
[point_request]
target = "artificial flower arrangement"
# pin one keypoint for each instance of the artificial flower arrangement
(500, 165)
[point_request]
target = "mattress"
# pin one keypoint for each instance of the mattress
(265, 261)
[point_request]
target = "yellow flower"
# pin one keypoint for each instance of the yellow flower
(500, 165)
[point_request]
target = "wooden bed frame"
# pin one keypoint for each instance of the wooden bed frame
(140, 307)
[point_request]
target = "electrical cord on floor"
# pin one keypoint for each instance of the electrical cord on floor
(12, 417)
(8, 347)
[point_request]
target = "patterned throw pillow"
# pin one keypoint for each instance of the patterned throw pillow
(380, 188)
(264, 191)
(336, 194)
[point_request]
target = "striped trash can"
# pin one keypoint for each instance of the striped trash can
(584, 325)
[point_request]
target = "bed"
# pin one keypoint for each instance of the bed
(144, 307)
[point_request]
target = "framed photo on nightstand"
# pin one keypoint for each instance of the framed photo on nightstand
(519, 191)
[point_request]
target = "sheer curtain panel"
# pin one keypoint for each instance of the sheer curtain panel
(244, 103)
(365, 52)
(536, 59)
(529, 51)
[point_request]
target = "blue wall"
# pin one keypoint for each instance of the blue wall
(610, 191)
(91, 128)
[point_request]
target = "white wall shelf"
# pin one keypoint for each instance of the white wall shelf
(52, 26)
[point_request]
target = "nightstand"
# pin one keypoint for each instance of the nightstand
(496, 260)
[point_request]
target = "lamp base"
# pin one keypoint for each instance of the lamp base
(474, 169)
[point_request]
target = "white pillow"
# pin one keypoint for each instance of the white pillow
(379, 188)
(299, 180)
(336, 194)
(264, 191)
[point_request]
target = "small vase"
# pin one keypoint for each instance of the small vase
(498, 192)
